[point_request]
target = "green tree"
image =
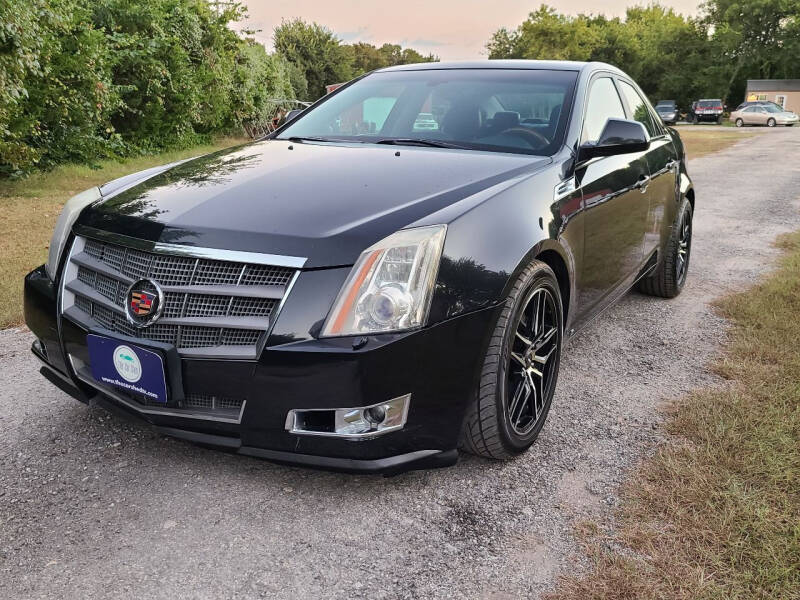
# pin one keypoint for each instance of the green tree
(316, 51)
(546, 34)
(86, 79)
(753, 39)
(663, 51)
(367, 57)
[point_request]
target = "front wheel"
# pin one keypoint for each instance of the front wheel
(771, 123)
(739, 123)
(519, 373)
(670, 276)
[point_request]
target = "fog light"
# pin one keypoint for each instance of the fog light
(375, 414)
(360, 422)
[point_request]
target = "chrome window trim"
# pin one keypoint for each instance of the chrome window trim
(276, 260)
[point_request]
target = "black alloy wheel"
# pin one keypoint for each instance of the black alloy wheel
(529, 378)
(669, 277)
(520, 370)
(684, 247)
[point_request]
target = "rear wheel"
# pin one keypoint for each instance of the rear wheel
(739, 123)
(520, 370)
(670, 276)
(771, 123)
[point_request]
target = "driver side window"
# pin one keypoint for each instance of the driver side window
(639, 108)
(603, 104)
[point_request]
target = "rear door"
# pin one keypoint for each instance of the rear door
(760, 115)
(662, 162)
(615, 209)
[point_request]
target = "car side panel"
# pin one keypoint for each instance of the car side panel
(616, 210)
(662, 160)
(478, 267)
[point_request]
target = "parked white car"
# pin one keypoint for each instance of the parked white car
(764, 114)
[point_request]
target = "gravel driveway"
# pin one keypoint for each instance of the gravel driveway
(93, 506)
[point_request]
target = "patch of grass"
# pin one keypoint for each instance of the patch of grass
(716, 512)
(29, 209)
(700, 140)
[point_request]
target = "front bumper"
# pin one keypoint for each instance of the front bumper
(438, 366)
(708, 116)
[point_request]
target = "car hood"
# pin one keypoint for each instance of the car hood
(324, 202)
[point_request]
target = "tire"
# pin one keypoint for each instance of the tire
(771, 123)
(670, 276)
(489, 430)
(739, 123)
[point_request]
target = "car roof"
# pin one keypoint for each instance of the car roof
(546, 65)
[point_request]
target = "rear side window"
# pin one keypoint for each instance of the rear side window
(638, 108)
(603, 104)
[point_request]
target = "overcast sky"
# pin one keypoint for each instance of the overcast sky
(452, 29)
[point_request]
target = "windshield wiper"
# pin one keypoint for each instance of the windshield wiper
(421, 142)
(300, 139)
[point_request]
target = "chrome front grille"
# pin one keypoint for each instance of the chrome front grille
(220, 308)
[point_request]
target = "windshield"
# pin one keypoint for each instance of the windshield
(773, 108)
(710, 104)
(665, 106)
(520, 111)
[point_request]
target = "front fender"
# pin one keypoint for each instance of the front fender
(488, 246)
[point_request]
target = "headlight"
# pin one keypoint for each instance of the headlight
(390, 286)
(66, 220)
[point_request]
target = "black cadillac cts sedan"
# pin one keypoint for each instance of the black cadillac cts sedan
(387, 278)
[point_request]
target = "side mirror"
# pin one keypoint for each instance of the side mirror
(292, 114)
(619, 136)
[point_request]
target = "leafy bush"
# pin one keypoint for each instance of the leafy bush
(82, 80)
(319, 58)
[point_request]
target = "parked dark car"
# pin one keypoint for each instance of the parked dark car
(706, 111)
(668, 111)
(371, 301)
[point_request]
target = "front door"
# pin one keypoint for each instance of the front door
(662, 163)
(615, 206)
(756, 115)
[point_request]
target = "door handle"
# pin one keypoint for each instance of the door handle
(644, 181)
(672, 165)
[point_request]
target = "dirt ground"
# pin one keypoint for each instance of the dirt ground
(92, 506)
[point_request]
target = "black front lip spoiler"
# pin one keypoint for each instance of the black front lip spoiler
(391, 465)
